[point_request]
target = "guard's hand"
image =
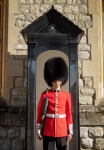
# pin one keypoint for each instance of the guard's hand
(69, 137)
(39, 137)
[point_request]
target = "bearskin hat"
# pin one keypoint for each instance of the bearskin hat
(55, 69)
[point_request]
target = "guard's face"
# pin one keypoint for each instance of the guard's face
(56, 84)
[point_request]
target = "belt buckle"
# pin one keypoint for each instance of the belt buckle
(56, 116)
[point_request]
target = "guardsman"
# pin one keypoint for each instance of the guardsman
(58, 125)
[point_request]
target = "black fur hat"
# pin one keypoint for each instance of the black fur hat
(55, 69)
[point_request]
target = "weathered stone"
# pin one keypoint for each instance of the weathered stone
(99, 144)
(79, 1)
(69, 1)
(22, 132)
(20, 39)
(38, 1)
(26, 1)
(21, 47)
(47, 1)
(88, 82)
(87, 108)
(87, 143)
(70, 9)
(19, 16)
(60, 1)
(24, 24)
(18, 23)
(88, 24)
(85, 100)
(77, 17)
(84, 54)
(17, 144)
(70, 17)
(81, 25)
(92, 118)
(96, 132)
(83, 132)
(83, 39)
(79, 64)
(44, 8)
(84, 47)
(83, 9)
(79, 71)
(22, 91)
(13, 132)
(87, 91)
(15, 92)
(24, 8)
(3, 132)
(5, 144)
(18, 101)
(34, 9)
(59, 8)
(80, 82)
(85, 1)
(19, 82)
(29, 17)
(85, 17)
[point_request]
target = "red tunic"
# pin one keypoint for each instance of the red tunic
(58, 103)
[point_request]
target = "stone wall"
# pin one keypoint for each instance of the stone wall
(84, 14)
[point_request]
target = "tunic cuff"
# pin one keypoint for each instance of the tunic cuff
(70, 131)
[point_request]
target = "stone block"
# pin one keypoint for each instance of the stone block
(80, 82)
(22, 91)
(87, 143)
(83, 132)
(59, 8)
(70, 9)
(3, 132)
(17, 144)
(13, 132)
(19, 82)
(47, 1)
(5, 144)
(87, 91)
(96, 132)
(14, 91)
(84, 55)
(83, 9)
(18, 101)
(24, 8)
(92, 118)
(15, 68)
(25, 1)
(44, 8)
(85, 100)
(99, 144)
(60, 1)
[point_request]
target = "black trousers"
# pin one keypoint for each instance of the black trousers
(49, 143)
